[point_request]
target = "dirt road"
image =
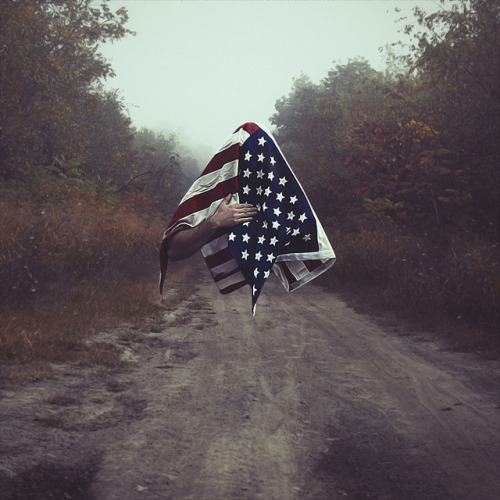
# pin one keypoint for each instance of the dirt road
(307, 400)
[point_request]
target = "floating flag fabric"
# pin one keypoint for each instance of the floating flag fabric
(285, 236)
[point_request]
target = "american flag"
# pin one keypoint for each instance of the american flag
(285, 236)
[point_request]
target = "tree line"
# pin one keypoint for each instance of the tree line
(53, 104)
(402, 165)
(418, 144)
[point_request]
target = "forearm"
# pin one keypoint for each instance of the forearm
(186, 243)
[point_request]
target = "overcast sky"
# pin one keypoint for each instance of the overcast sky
(202, 68)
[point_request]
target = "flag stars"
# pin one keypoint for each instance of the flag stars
(260, 158)
(260, 174)
(247, 172)
(302, 218)
(283, 181)
(266, 274)
(248, 156)
(293, 200)
(246, 190)
(276, 224)
(307, 237)
(262, 141)
(280, 197)
(296, 232)
(277, 211)
(258, 256)
(270, 257)
(261, 241)
(291, 216)
(232, 236)
(244, 255)
(245, 237)
(270, 176)
(273, 241)
(255, 272)
(259, 190)
(267, 191)
(272, 160)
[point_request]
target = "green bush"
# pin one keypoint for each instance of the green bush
(433, 278)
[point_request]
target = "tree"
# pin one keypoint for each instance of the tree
(456, 69)
(49, 63)
(313, 123)
(109, 137)
(157, 168)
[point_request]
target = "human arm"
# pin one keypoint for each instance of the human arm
(187, 242)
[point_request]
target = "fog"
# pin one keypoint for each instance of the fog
(201, 68)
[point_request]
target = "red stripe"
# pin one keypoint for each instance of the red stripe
(204, 200)
(248, 127)
(311, 265)
(233, 287)
(218, 258)
(288, 274)
(226, 275)
(221, 158)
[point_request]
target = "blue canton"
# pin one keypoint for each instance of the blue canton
(284, 224)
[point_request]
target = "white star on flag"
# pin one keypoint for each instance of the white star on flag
(293, 246)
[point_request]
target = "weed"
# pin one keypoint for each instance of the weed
(446, 282)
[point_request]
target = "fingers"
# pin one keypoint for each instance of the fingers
(228, 215)
(245, 212)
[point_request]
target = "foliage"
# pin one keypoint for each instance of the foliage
(60, 229)
(420, 147)
(424, 278)
(404, 167)
(456, 68)
(49, 71)
(156, 169)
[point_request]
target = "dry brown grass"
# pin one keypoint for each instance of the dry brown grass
(448, 284)
(73, 264)
(34, 336)
(55, 245)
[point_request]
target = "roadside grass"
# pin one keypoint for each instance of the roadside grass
(75, 259)
(448, 284)
(34, 336)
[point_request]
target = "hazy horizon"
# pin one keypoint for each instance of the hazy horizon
(201, 68)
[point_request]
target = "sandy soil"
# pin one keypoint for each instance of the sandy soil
(307, 400)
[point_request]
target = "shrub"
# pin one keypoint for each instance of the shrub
(61, 230)
(436, 279)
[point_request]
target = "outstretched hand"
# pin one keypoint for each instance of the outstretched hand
(230, 215)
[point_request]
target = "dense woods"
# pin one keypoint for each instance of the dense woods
(402, 165)
(79, 184)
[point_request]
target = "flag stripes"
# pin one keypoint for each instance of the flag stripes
(285, 236)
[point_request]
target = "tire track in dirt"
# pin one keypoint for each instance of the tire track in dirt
(307, 400)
